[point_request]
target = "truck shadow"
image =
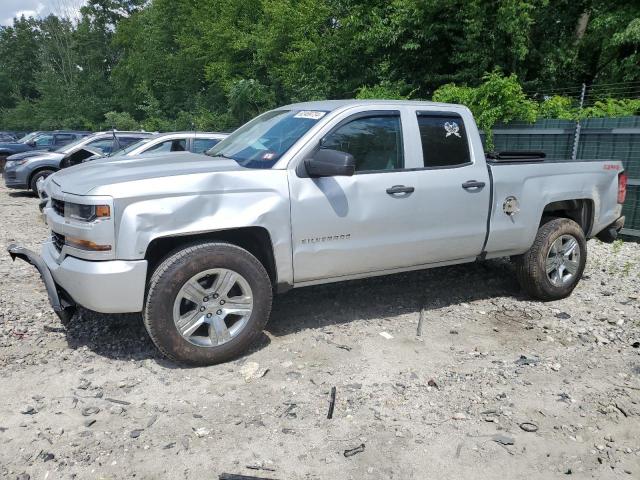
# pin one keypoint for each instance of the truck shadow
(390, 296)
(123, 337)
(23, 194)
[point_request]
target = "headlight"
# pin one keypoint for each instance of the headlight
(18, 162)
(86, 213)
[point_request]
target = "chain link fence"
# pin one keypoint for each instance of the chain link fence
(598, 138)
(609, 138)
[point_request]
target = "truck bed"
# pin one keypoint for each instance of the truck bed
(536, 184)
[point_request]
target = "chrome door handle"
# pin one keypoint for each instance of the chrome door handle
(469, 184)
(399, 189)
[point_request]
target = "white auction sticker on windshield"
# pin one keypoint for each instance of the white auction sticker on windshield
(312, 114)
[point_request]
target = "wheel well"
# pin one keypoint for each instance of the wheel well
(38, 170)
(256, 240)
(580, 211)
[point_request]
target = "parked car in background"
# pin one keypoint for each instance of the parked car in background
(39, 141)
(194, 142)
(24, 170)
(7, 137)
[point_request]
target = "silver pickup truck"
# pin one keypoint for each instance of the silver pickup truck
(306, 194)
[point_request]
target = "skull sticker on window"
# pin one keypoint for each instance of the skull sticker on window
(452, 128)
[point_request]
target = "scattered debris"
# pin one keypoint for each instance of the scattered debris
(115, 400)
(523, 360)
(420, 321)
(29, 410)
(201, 432)
(136, 433)
(529, 427)
(502, 439)
(233, 476)
(90, 411)
(354, 451)
(252, 371)
(332, 403)
(386, 335)
(432, 383)
(459, 416)
(46, 456)
(260, 467)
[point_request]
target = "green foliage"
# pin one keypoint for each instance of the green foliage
(384, 90)
(120, 121)
(612, 108)
(499, 99)
(171, 64)
(557, 106)
(248, 98)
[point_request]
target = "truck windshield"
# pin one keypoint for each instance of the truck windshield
(261, 142)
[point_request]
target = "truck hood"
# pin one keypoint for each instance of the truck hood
(36, 153)
(83, 179)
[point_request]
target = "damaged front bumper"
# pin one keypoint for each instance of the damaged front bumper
(115, 286)
(60, 301)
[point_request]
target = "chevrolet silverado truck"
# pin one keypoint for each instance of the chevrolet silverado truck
(307, 194)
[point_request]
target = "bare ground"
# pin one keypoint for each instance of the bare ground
(96, 400)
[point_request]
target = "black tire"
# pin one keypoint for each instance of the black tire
(531, 266)
(37, 176)
(175, 271)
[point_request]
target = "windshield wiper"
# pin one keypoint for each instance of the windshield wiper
(223, 155)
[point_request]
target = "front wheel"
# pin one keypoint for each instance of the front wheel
(207, 303)
(553, 266)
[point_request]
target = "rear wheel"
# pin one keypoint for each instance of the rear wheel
(207, 303)
(33, 185)
(554, 264)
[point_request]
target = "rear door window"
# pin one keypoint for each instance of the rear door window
(201, 145)
(444, 140)
(64, 139)
(176, 145)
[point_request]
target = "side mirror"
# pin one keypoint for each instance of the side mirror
(330, 163)
(32, 143)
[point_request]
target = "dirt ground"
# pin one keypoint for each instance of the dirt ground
(496, 386)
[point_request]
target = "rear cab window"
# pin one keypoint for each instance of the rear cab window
(444, 140)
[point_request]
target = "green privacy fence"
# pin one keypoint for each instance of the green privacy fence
(594, 138)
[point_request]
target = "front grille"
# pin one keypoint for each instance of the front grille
(11, 175)
(58, 240)
(58, 206)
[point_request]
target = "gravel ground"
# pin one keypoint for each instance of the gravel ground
(495, 385)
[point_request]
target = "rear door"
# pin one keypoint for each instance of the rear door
(454, 191)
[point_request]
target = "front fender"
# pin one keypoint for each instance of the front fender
(142, 221)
